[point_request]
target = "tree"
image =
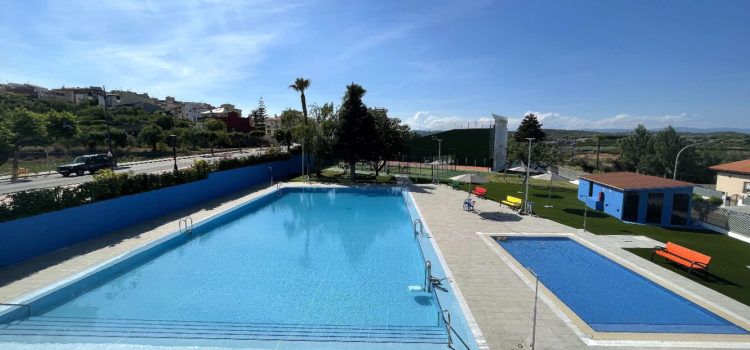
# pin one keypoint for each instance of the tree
(323, 134)
(356, 128)
(164, 121)
(666, 144)
(259, 116)
(215, 125)
(62, 127)
(598, 140)
(23, 128)
(190, 136)
(151, 135)
(5, 146)
(530, 127)
(635, 150)
(390, 139)
(300, 85)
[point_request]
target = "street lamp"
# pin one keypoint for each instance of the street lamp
(677, 158)
(440, 144)
(585, 212)
(109, 136)
(528, 166)
(173, 137)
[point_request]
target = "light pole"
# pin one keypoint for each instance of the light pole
(109, 136)
(173, 137)
(440, 144)
(526, 192)
(677, 158)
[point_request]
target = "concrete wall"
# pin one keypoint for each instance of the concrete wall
(26, 238)
(730, 183)
(614, 200)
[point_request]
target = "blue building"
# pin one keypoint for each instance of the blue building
(638, 198)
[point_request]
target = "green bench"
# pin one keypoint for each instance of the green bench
(454, 184)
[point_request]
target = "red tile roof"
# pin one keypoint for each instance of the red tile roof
(632, 181)
(740, 167)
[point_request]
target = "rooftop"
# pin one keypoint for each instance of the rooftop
(632, 181)
(739, 167)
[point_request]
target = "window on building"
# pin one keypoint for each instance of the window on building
(680, 204)
(654, 208)
(591, 188)
(630, 206)
(746, 188)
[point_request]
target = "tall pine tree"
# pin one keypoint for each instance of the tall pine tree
(530, 127)
(259, 116)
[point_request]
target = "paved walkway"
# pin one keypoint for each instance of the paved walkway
(500, 301)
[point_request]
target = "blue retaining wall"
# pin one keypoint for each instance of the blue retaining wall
(26, 238)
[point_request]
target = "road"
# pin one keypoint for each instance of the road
(149, 166)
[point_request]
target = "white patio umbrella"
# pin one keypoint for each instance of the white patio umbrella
(470, 179)
(522, 169)
(549, 177)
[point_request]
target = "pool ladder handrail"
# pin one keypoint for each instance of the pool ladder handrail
(186, 225)
(448, 327)
(419, 229)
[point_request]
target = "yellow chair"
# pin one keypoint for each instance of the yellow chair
(512, 202)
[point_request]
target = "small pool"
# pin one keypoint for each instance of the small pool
(608, 296)
(296, 267)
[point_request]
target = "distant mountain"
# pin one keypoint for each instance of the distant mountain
(679, 129)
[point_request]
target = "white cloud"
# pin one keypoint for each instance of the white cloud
(553, 120)
(424, 120)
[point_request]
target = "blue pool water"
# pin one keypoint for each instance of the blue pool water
(607, 296)
(298, 265)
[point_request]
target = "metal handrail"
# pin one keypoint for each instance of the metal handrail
(417, 231)
(186, 225)
(27, 306)
(448, 327)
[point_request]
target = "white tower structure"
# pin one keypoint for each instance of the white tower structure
(500, 148)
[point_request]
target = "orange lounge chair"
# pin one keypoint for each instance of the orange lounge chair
(686, 257)
(479, 191)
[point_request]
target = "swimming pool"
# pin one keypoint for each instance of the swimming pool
(300, 265)
(606, 295)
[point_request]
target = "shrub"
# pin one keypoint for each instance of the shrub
(108, 184)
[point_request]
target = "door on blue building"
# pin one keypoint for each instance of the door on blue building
(680, 204)
(655, 206)
(630, 206)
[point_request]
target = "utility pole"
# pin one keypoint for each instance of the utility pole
(109, 135)
(440, 144)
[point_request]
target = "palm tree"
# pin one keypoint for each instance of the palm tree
(300, 85)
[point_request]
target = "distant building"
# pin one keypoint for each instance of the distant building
(23, 89)
(734, 180)
(231, 116)
(192, 110)
(638, 198)
(272, 124)
(74, 95)
(131, 99)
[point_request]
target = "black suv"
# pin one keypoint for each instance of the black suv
(91, 163)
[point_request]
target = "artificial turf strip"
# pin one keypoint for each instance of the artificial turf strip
(730, 257)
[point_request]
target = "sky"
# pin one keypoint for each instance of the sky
(434, 64)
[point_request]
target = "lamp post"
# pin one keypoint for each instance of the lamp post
(677, 158)
(440, 144)
(528, 166)
(109, 136)
(585, 211)
(173, 137)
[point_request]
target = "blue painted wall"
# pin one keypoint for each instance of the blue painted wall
(614, 199)
(26, 238)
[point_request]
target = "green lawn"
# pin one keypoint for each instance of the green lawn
(730, 257)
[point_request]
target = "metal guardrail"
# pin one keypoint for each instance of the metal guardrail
(730, 220)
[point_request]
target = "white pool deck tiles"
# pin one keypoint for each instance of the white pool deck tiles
(499, 297)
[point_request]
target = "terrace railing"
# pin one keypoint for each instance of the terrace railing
(730, 220)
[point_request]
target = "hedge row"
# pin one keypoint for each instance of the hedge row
(108, 184)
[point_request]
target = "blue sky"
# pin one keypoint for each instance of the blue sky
(579, 64)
